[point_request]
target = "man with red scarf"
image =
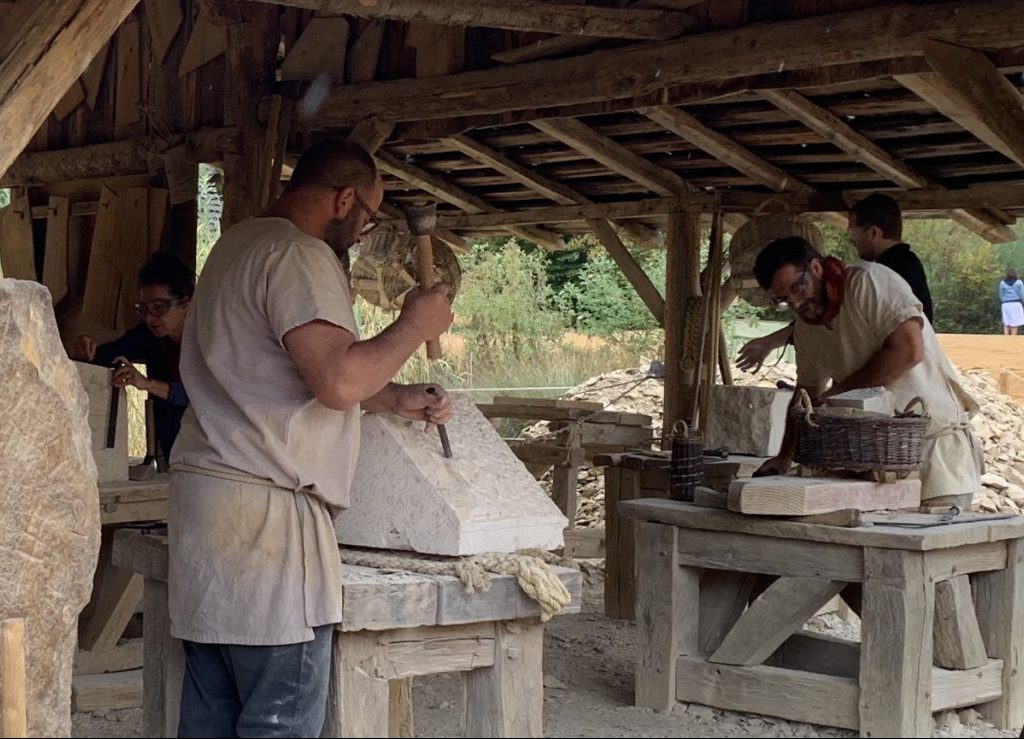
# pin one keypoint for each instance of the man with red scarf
(862, 326)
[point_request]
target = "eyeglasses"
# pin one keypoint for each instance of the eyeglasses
(157, 308)
(797, 289)
(373, 221)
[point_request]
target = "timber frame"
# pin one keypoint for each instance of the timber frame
(628, 119)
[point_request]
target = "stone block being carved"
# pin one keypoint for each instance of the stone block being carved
(406, 495)
(50, 527)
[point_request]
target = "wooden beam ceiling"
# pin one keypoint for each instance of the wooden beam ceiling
(52, 50)
(842, 38)
(521, 15)
(863, 149)
(551, 189)
(968, 88)
(467, 201)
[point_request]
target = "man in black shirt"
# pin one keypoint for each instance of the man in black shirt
(166, 285)
(876, 230)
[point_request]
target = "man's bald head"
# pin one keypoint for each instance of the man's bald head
(335, 163)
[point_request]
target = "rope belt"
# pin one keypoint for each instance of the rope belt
(531, 567)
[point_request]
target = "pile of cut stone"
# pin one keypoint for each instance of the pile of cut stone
(999, 425)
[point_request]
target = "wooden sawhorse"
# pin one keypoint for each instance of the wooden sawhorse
(396, 625)
(942, 618)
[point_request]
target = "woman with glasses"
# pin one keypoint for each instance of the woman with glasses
(166, 285)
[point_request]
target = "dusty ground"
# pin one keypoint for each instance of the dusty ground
(588, 692)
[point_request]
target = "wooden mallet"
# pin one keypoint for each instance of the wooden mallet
(421, 220)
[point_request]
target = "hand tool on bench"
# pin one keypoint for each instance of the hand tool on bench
(421, 220)
(115, 397)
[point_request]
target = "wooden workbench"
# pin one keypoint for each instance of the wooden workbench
(949, 595)
(395, 625)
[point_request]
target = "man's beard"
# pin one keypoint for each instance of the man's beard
(340, 234)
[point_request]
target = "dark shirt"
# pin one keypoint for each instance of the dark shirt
(161, 358)
(901, 260)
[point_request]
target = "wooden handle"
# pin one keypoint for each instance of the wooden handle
(425, 268)
(13, 720)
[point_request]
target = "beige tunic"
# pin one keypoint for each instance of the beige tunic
(878, 300)
(260, 466)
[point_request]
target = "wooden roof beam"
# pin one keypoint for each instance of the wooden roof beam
(521, 15)
(51, 52)
(551, 189)
(968, 88)
(879, 33)
(860, 147)
(467, 201)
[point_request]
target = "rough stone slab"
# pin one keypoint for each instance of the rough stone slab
(111, 462)
(747, 420)
(50, 526)
(874, 399)
(406, 495)
(788, 495)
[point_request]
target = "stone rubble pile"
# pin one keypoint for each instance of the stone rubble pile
(999, 425)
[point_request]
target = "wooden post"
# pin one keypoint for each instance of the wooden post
(14, 718)
(400, 721)
(896, 645)
(682, 270)
(357, 702)
(507, 699)
(164, 667)
(564, 477)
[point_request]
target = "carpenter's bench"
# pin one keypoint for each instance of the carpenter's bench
(396, 625)
(942, 617)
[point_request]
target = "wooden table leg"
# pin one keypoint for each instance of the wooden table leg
(400, 720)
(896, 645)
(999, 602)
(163, 667)
(507, 699)
(357, 701)
(667, 614)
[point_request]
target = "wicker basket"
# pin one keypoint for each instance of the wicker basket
(840, 438)
(686, 470)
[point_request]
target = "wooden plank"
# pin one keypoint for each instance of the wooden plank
(207, 41)
(667, 611)
(581, 405)
(103, 281)
(440, 48)
(128, 80)
(772, 618)
(897, 31)
(723, 597)
(17, 247)
(524, 15)
(811, 698)
(565, 477)
(710, 498)
(551, 189)
(958, 643)
(505, 600)
(92, 77)
(533, 412)
(583, 543)
(813, 652)
(14, 694)
(546, 454)
(365, 53)
(955, 689)
(896, 644)
(115, 606)
(371, 133)
(374, 601)
(74, 97)
(878, 534)
(984, 92)
(770, 556)
(628, 265)
(125, 656)
(356, 700)
(613, 155)
(111, 691)
(544, 48)
(612, 523)
(788, 495)
(134, 235)
(625, 559)
(320, 49)
(146, 555)
(400, 718)
(55, 257)
(163, 19)
(428, 655)
(999, 603)
(507, 699)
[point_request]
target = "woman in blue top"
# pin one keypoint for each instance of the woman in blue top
(1011, 295)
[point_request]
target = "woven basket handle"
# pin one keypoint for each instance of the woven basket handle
(917, 400)
(804, 404)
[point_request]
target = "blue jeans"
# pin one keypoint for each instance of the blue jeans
(262, 691)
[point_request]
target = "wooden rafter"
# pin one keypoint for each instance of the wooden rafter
(51, 52)
(451, 193)
(551, 189)
(521, 15)
(969, 88)
(863, 149)
(860, 36)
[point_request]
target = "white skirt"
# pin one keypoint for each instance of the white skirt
(1013, 314)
